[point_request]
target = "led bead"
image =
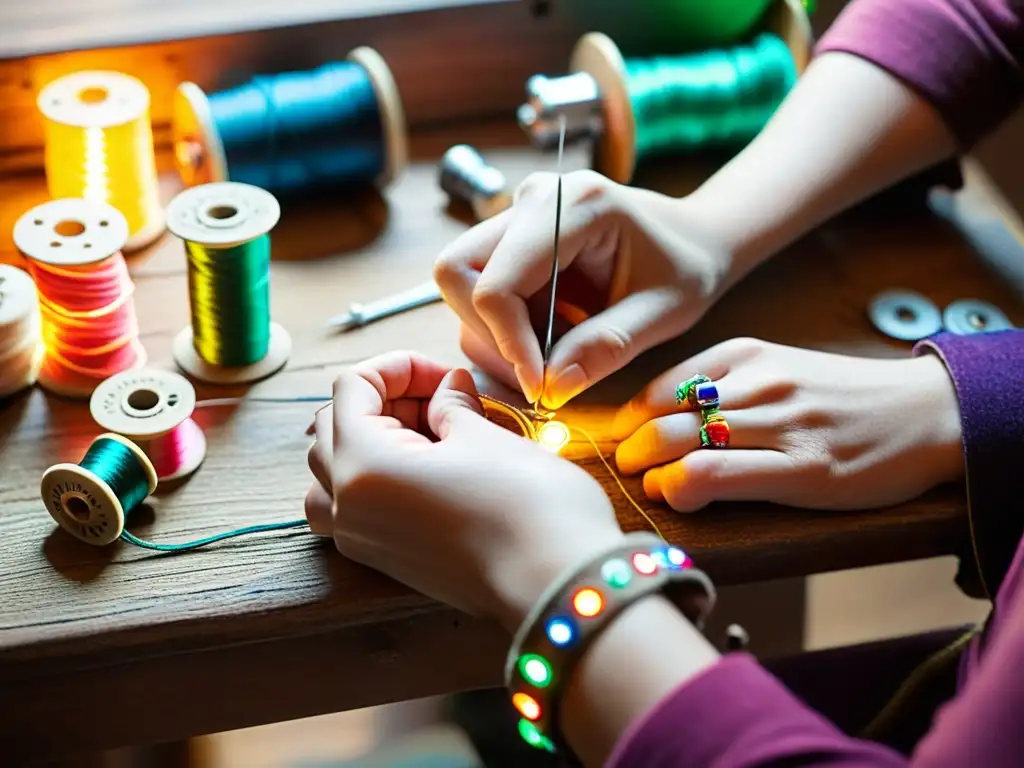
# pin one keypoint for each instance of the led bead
(644, 564)
(588, 602)
(536, 670)
(533, 737)
(676, 557)
(660, 558)
(553, 435)
(616, 573)
(526, 705)
(560, 632)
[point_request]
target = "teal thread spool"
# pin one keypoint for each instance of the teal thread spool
(226, 232)
(636, 109)
(92, 499)
(295, 132)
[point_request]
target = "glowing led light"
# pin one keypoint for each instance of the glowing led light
(533, 737)
(644, 563)
(660, 558)
(616, 572)
(526, 705)
(676, 556)
(535, 669)
(560, 632)
(588, 602)
(553, 435)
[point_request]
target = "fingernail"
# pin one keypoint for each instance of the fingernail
(531, 387)
(565, 386)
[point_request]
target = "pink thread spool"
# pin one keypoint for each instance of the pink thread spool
(153, 409)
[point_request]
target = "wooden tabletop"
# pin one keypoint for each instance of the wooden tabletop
(114, 646)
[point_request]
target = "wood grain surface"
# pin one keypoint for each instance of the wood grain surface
(117, 646)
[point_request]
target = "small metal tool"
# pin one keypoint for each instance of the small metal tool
(359, 315)
(554, 262)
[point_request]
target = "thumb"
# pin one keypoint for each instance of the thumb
(455, 405)
(604, 343)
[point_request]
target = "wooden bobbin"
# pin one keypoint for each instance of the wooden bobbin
(596, 54)
(101, 100)
(72, 232)
(83, 504)
(199, 150)
(146, 405)
(21, 346)
(218, 216)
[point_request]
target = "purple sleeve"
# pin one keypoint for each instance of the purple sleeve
(988, 373)
(959, 55)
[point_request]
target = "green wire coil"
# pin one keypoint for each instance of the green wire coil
(230, 301)
(718, 97)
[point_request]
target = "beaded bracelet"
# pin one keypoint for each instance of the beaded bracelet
(577, 607)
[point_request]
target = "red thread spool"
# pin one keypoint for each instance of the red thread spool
(89, 327)
(153, 409)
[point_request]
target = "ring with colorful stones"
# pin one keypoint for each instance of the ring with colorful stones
(714, 433)
(699, 392)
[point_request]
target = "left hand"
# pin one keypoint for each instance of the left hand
(808, 429)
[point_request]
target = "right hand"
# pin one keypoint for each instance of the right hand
(636, 269)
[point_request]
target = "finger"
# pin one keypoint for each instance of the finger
(356, 401)
(319, 504)
(521, 267)
(312, 425)
(486, 357)
(703, 477)
(456, 406)
(658, 398)
(607, 342)
(672, 437)
(402, 374)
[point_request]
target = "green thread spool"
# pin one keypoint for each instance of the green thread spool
(637, 109)
(92, 499)
(226, 232)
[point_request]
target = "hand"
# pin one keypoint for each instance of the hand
(636, 269)
(808, 429)
(424, 488)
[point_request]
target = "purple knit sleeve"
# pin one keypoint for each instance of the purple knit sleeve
(988, 372)
(962, 56)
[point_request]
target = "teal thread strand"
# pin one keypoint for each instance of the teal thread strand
(230, 301)
(717, 97)
(299, 131)
(119, 468)
(197, 543)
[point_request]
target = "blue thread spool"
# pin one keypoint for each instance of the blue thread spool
(334, 126)
(634, 109)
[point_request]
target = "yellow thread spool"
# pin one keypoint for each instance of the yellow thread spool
(99, 146)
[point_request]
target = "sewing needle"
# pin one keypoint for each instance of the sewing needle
(554, 264)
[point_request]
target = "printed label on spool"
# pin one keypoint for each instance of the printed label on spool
(80, 505)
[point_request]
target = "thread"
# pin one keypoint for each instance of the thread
(21, 344)
(93, 499)
(225, 228)
(295, 132)
(89, 326)
(99, 146)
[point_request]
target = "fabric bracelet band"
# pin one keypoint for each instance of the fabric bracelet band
(575, 609)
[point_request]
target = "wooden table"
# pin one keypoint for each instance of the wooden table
(103, 648)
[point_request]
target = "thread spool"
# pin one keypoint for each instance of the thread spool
(91, 499)
(153, 409)
(339, 124)
(89, 327)
(904, 315)
(970, 316)
(226, 231)
(464, 175)
(636, 109)
(99, 146)
(21, 343)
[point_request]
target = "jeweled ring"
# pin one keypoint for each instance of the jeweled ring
(699, 392)
(714, 432)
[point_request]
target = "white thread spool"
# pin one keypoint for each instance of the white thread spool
(21, 344)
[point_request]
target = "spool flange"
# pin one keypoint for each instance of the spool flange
(904, 315)
(969, 316)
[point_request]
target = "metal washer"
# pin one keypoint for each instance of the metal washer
(905, 315)
(969, 316)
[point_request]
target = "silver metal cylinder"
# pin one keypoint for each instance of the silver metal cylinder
(465, 175)
(575, 96)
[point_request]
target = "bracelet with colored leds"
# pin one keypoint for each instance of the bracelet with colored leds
(577, 607)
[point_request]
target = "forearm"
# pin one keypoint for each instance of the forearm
(847, 130)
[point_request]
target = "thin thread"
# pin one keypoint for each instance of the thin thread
(229, 298)
(722, 96)
(295, 131)
(114, 164)
(88, 316)
(197, 543)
